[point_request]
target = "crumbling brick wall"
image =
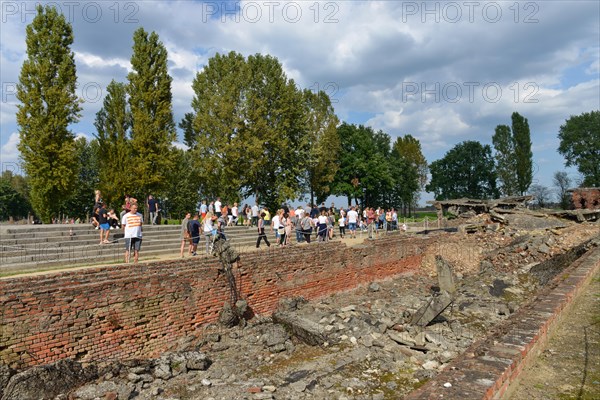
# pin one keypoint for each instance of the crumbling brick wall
(137, 311)
(586, 198)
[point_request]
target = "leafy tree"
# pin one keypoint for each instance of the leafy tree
(187, 126)
(153, 128)
(506, 162)
(523, 154)
(323, 144)
(218, 104)
(364, 174)
(562, 182)
(49, 104)
(81, 201)
(249, 128)
(580, 145)
(113, 122)
(182, 190)
(467, 170)
(274, 130)
(13, 201)
(513, 156)
(404, 191)
(541, 194)
(412, 171)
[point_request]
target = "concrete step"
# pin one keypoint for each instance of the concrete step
(68, 253)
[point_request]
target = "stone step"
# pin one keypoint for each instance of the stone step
(75, 252)
(108, 254)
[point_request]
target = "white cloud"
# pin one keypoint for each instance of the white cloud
(365, 53)
(9, 154)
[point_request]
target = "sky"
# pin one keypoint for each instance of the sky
(443, 72)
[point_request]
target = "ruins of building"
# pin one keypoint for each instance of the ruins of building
(585, 198)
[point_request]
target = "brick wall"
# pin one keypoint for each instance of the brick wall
(137, 311)
(586, 198)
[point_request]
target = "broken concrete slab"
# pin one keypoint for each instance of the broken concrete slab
(434, 307)
(531, 222)
(446, 278)
(306, 330)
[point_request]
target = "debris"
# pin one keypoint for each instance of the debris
(434, 307)
(306, 330)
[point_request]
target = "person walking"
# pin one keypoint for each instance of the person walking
(342, 224)
(132, 224)
(104, 224)
(184, 236)
(306, 226)
(194, 231)
(209, 229)
(261, 231)
(352, 221)
(152, 208)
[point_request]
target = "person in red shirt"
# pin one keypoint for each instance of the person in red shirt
(370, 221)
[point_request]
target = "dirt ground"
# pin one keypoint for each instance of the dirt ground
(569, 365)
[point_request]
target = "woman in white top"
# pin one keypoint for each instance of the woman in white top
(208, 229)
(322, 227)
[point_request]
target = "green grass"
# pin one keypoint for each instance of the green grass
(419, 216)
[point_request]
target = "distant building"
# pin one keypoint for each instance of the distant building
(585, 198)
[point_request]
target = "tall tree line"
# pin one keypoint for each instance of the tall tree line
(514, 159)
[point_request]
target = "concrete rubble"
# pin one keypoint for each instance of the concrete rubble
(379, 341)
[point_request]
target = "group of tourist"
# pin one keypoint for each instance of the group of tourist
(211, 219)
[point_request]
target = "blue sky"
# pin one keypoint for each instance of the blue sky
(443, 72)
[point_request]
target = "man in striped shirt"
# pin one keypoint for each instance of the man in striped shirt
(132, 225)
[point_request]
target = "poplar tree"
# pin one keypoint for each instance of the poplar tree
(506, 162)
(523, 154)
(49, 104)
(513, 156)
(412, 170)
(153, 127)
(113, 122)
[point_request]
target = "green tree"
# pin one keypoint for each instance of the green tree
(364, 174)
(513, 156)
(182, 190)
(323, 144)
(218, 104)
(467, 170)
(14, 203)
(523, 154)
(49, 104)
(274, 129)
(81, 201)
(152, 129)
(187, 126)
(562, 182)
(250, 130)
(411, 172)
(506, 162)
(580, 145)
(113, 122)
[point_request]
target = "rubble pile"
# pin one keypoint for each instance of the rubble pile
(379, 341)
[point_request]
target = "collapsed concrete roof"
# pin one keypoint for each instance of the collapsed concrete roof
(477, 206)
